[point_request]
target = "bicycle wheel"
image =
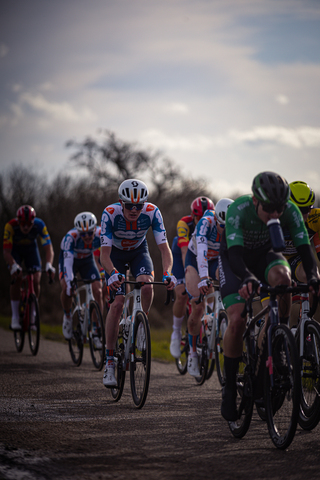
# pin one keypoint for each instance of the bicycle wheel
(218, 346)
(244, 401)
(211, 364)
(282, 398)
(97, 339)
(34, 324)
(140, 363)
(203, 361)
(76, 341)
(19, 334)
(182, 361)
(119, 371)
(309, 415)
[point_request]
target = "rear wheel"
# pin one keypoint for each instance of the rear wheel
(140, 361)
(97, 338)
(218, 347)
(119, 370)
(282, 387)
(34, 324)
(309, 414)
(76, 341)
(203, 361)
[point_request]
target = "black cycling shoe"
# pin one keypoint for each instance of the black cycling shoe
(228, 405)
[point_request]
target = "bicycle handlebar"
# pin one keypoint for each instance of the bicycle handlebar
(210, 282)
(139, 285)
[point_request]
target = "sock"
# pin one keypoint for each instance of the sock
(231, 366)
(193, 344)
(67, 313)
(177, 322)
(15, 309)
(109, 357)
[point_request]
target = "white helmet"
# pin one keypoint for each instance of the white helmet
(133, 191)
(221, 209)
(85, 221)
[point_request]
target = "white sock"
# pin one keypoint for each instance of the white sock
(177, 322)
(15, 309)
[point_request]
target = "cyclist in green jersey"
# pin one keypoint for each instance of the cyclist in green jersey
(248, 258)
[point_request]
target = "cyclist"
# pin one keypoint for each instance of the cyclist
(303, 196)
(185, 228)
(76, 255)
(20, 244)
(202, 264)
(246, 258)
(124, 226)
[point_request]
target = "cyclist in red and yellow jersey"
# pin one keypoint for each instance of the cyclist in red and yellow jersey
(185, 228)
(20, 244)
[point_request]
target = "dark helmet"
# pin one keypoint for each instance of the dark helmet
(271, 188)
(200, 205)
(26, 214)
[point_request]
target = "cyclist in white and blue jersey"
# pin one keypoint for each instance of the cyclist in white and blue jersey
(76, 255)
(200, 265)
(124, 226)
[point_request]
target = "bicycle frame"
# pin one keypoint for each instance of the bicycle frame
(27, 289)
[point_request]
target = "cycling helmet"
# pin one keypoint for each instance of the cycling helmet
(200, 205)
(301, 194)
(85, 222)
(133, 191)
(221, 209)
(26, 214)
(271, 188)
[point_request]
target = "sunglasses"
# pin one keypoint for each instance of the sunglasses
(305, 209)
(85, 234)
(131, 206)
(25, 224)
(270, 208)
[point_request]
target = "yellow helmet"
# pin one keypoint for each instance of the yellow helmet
(301, 194)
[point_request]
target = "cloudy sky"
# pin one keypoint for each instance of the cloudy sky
(225, 88)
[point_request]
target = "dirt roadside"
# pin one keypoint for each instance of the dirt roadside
(57, 421)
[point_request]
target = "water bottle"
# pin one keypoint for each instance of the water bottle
(276, 235)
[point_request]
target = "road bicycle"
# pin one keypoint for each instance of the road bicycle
(182, 361)
(272, 372)
(307, 336)
(133, 348)
(28, 313)
(87, 325)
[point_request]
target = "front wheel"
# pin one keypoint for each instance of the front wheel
(34, 324)
(119, 370)
(282, 387)
(309, 414)
(203, 361)
(97, 339)
(218, 346)
(140, 359)
(76, 341)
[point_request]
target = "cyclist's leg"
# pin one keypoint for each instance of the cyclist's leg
(180, 302)
(15, 292)
(32, 260)
(278, 272)
(66, 301)
(141, 267)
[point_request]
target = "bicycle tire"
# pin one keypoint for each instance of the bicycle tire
(309, 415)
(76, 341)
(119, 371)
(244, 401)
(282, 400)
(20, 334)
(140, 362)
(34, 325)
(203, 362)
(96, 334)
(218, 348)
(182, 361)
(211, 365)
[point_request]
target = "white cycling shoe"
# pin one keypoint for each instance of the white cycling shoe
(15, 324)
(97, 343)
(175, 346)
(67, 327)
(109, 380)
(193, 366)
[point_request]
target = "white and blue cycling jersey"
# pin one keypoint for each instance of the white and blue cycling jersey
(118, 232)
(205, 242)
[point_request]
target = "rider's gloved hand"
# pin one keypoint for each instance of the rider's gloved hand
(15, 268)
(50, 269)
(247, 290)
(169, 279)
(203, 283)
(313, 283)
(115, 276)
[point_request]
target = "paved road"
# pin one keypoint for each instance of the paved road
(59, 422)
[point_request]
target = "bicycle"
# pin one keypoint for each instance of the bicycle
(307, 336)
(87, 325)
(133, 348)
(182, 361)
(277, 366)
(28, 313)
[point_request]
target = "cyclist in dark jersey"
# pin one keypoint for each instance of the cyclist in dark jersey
(247, 258)
(20, 245)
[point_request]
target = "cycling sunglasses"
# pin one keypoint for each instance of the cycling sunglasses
(270, 207)
(89, 233)
(25, 224)
(130, 206)
(304, 210)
